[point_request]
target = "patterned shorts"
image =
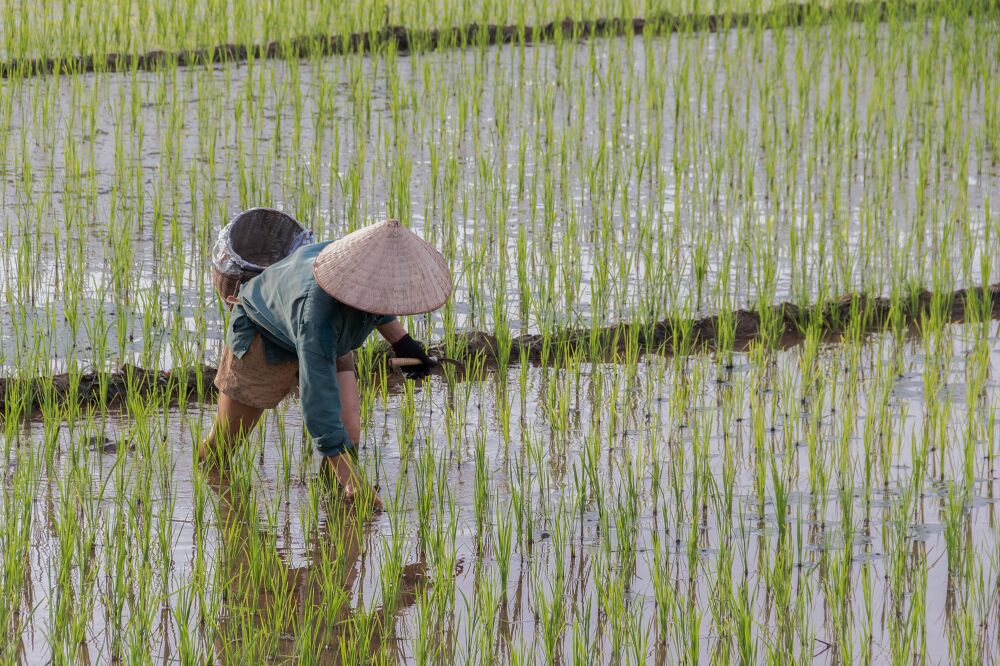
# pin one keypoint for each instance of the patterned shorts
(253, 381)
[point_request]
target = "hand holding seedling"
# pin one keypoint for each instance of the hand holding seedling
(352, 486)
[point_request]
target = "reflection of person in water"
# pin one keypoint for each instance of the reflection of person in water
(278, 612)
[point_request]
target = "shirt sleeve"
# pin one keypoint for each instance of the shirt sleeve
(241, 332)
(320, 397)
(385, 319)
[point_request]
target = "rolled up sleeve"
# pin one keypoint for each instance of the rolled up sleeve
(320, 395)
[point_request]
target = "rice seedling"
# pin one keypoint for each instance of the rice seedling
(724, 298)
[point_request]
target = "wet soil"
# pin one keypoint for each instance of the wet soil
(783, 326)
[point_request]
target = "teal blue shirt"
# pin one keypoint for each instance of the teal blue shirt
(300, 322)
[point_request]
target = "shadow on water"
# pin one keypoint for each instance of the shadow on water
(271, 611)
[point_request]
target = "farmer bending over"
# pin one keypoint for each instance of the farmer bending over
(298, 324)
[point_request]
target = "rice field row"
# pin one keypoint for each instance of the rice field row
(568, 183)
(830, 502)
(129, 27)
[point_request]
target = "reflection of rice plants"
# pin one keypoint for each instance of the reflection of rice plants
(827, 499)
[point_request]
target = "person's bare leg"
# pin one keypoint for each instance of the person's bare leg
(233, 422)
(342, 466)
(350, 404)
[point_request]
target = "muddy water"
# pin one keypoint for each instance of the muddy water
(551, 414)
(166, 158)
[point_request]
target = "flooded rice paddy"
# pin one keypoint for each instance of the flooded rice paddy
(656, 488)
(830, 501)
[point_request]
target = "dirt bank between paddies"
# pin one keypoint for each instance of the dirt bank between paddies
(403, 39)
(783, 326)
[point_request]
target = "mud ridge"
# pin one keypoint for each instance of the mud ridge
(793, 14)
(781, 326)
(112, 388)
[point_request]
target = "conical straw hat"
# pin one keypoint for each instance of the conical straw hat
(384, 268)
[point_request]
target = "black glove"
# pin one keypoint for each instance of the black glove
(407, 347)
